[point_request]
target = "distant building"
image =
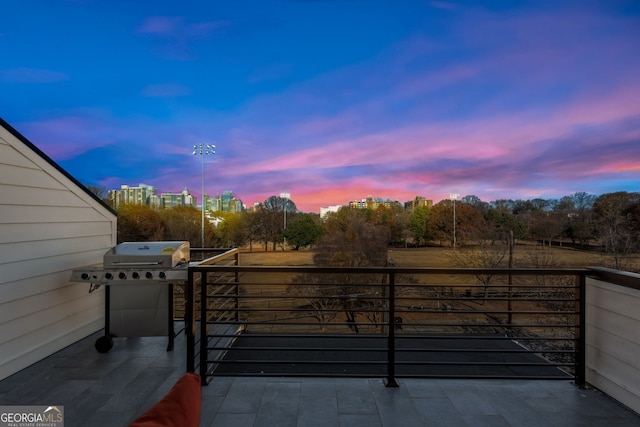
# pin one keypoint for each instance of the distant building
(373, 203)
(236, 205)
(419, 201)
(171, 200)
(325, 211)
(148, 195)
(141, 195)
(226, 203)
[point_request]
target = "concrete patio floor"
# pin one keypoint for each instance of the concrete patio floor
(112, 389)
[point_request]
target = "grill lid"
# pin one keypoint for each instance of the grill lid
(151, 254)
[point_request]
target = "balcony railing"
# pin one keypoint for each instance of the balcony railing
(385, 321)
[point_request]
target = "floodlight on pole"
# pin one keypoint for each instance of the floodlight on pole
(453, 197)
(203, 150)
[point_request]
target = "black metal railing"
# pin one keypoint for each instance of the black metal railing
(385, 322)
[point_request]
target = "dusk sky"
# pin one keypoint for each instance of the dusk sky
(330, 101)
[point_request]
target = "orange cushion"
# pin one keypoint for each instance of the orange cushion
(178, 408)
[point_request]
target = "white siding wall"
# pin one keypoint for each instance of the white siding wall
(613, 341)
(48, 226)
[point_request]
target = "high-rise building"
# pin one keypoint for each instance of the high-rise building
(171, 200)
(140, 195)
(147, 195)
(236, 205)
(226, 203)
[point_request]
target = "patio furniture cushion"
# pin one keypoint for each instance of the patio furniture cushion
(180, 407)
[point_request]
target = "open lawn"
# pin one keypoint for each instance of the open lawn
(431, 257)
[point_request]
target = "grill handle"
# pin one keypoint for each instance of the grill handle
(132, 264)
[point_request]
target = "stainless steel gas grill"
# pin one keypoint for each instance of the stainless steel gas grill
(138, 279)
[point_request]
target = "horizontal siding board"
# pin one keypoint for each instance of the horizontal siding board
(10, 156)
(630, 400)
(613, 341)
(622, 374)
(11, 290)
(22, 177)
(12, 214)
(606, 343)
(41, 197)
(613, 323)
(38, 250)
(31, 348)
(51, 307)
(14, 233)
(618, 299)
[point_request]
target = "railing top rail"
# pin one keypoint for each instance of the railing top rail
(226, 253)
(395, 270)
(621, 278)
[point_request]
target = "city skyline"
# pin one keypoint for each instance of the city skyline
(331, 101)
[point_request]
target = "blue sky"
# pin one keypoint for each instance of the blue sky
(330, 101)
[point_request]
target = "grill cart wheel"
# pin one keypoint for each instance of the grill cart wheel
(104, 344)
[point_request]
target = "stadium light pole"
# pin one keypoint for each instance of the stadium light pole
(453, 197)
(203, 150)
(286, 196)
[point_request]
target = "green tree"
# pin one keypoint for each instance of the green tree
(501, 223)
(303, 230)
(418, 225)
(233, 230)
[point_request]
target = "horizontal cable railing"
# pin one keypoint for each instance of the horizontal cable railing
(385, 321)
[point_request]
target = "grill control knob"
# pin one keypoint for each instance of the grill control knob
(84, 276)
(108, 276)
(122, 275)
(135, 275)
(149, 275)
(163, 275)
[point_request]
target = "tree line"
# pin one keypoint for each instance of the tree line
(610, 222)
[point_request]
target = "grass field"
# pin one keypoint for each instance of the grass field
(429, 257)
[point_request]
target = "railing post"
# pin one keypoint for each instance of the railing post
(203, 326)
(581, 336)
(391, 333)
(237, 286)
(189, 322)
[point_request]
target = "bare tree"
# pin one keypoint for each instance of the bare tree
(617, 216)
(484, 255)
(139, 223)
(319, 297)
